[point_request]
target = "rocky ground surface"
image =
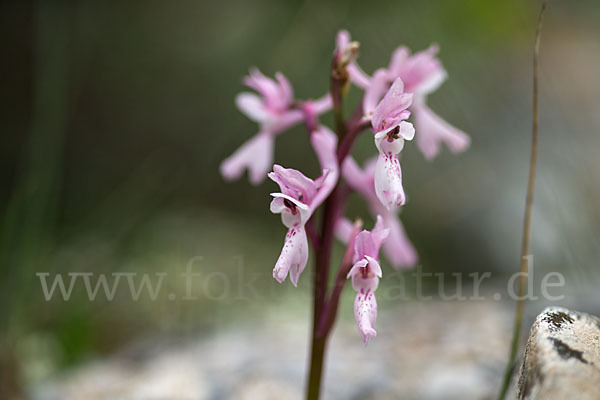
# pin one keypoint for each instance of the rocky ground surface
(562, 359)
(433, 350)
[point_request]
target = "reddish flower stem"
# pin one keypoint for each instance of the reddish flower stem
(355, 125)
(331, 211)
(324, 312)
(313, 236)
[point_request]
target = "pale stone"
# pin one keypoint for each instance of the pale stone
(562, 359)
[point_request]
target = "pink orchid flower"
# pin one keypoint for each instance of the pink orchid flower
(275, 112)
(299, 198)
(365, 274)
(422, 73)
(397, 248)
(390, 132)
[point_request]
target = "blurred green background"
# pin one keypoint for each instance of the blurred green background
(116, 115)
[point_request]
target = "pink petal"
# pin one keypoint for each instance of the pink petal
(324, 143)
(367, 243)
(293, 257)
(343, 229)
(342, 40)
(358, 76)
(433, 131)
(252, 105)
(355, 176)
(277, 95)
(322, 105)
(363, 245)
(399, 57)
(423, 72)
(293, 183)
(256, 155)
(379, 234)
(365, 314)
(407, 130)
(286, 93)
(432, 82)
(378, 85)
(283, 121)
(397, 248)
(263, 85)
(392, 108)
(362, 180)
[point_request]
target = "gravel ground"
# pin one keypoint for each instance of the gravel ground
(431, 350)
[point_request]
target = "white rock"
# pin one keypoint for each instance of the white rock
(562, 359)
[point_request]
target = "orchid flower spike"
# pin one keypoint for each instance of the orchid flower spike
(365, 274)
(299, 198)
(390, 132)
(398, 248)
(273, 109)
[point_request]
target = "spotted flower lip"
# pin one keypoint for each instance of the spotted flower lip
(274, 109)
(365, 274)
(293, 257)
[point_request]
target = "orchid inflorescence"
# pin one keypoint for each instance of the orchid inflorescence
(391, 95)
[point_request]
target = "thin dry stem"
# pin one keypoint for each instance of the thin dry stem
(520, 305)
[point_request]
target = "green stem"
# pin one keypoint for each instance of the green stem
(520, 305)
(316, 367)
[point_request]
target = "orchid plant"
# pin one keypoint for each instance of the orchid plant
(391, 95)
